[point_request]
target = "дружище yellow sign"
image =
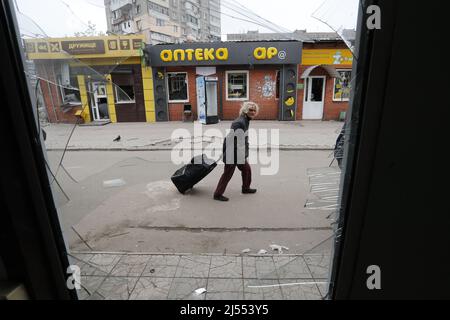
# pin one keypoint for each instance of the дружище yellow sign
(84, 47)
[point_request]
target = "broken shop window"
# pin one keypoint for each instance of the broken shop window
(72, 87)
(67, 88)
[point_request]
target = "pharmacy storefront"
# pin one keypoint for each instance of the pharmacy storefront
(211, 80)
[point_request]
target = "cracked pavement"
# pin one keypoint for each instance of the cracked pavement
(225, 277)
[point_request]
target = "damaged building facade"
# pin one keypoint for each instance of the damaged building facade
(93, 79)
(120, 79)
(290, 80)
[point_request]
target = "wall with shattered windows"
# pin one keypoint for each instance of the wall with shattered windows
(84, 79)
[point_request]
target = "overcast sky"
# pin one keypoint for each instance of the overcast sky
(57, 18)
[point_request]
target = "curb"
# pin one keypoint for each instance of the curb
(319, 148)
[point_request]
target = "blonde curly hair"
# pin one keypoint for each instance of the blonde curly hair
(246, 106)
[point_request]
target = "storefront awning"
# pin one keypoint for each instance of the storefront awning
(329, 69)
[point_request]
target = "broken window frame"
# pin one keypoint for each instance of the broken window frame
(171, 75)
(65, 90)
(117, 95)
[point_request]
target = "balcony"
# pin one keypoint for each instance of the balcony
(121, 19)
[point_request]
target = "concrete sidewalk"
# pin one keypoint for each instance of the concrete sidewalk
(298, 135)
(125, 276)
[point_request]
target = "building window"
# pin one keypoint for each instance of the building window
(139, 24)
(70, 93)
(157, 8)
(237, 85)
(175, 29)
(138, 9)
(214, 29)
(124, 94)
(161, 37)
(342, 86)
(192, 19)
(178, 87)
(160, 22)
(117, 14)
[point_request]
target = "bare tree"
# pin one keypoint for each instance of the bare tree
(91, 31)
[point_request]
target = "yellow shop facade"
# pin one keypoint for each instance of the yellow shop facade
(93, 79)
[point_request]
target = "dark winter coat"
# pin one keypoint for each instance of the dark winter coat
(234, 140)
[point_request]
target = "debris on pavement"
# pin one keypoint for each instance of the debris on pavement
(117, 139)
(200, 291)
(114, 183)
(278, 248)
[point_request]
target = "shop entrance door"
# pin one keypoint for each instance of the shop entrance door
(99, 103)
(313, 98)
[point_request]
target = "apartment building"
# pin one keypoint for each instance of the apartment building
(165, 21)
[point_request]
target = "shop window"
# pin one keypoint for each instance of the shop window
(117, 14)
(342, 86)
(124, 94)
(237, 85)
(70, 93)
(158, 8)
(178, 87)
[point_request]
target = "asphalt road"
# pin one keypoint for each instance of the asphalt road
(147, 214)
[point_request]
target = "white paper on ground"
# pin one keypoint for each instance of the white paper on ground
(278, 248)
(114, 183)
(200, 291)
